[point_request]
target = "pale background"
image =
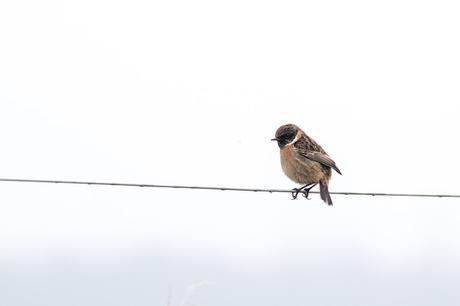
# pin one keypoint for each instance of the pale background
(189, 93)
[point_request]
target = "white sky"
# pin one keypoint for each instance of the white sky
(190, 93)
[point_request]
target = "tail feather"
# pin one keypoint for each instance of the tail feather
(324, 193)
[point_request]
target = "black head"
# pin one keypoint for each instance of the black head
(286, 134)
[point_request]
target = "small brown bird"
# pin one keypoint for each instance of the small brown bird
(304, 161)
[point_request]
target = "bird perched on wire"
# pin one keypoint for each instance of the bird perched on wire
(304, 161)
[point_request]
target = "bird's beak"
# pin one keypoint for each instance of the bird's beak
(274, 139)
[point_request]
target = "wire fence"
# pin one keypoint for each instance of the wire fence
(237, 189)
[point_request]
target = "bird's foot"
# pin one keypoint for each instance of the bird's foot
(305, 190)
(295, 193)
(305, 193)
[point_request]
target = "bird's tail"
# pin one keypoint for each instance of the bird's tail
(324, 193)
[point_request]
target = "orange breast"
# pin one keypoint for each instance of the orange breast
(300, 171)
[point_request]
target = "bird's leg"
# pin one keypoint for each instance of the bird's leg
(306, 189)
(303, 189)
(295, 192)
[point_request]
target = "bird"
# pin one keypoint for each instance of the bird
(304, 161)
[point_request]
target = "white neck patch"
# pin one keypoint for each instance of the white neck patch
(297, 137)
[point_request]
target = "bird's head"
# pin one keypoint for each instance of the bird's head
(286, 134)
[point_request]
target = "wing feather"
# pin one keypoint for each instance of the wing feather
(319, 157)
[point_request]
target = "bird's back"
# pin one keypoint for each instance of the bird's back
(307, 144)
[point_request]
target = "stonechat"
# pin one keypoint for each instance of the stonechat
(304, 161)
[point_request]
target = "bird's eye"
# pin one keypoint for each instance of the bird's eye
(289, 136)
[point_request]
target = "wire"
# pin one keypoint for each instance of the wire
(226, 188)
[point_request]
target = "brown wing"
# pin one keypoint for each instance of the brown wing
(309, 149)
(320, 158)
